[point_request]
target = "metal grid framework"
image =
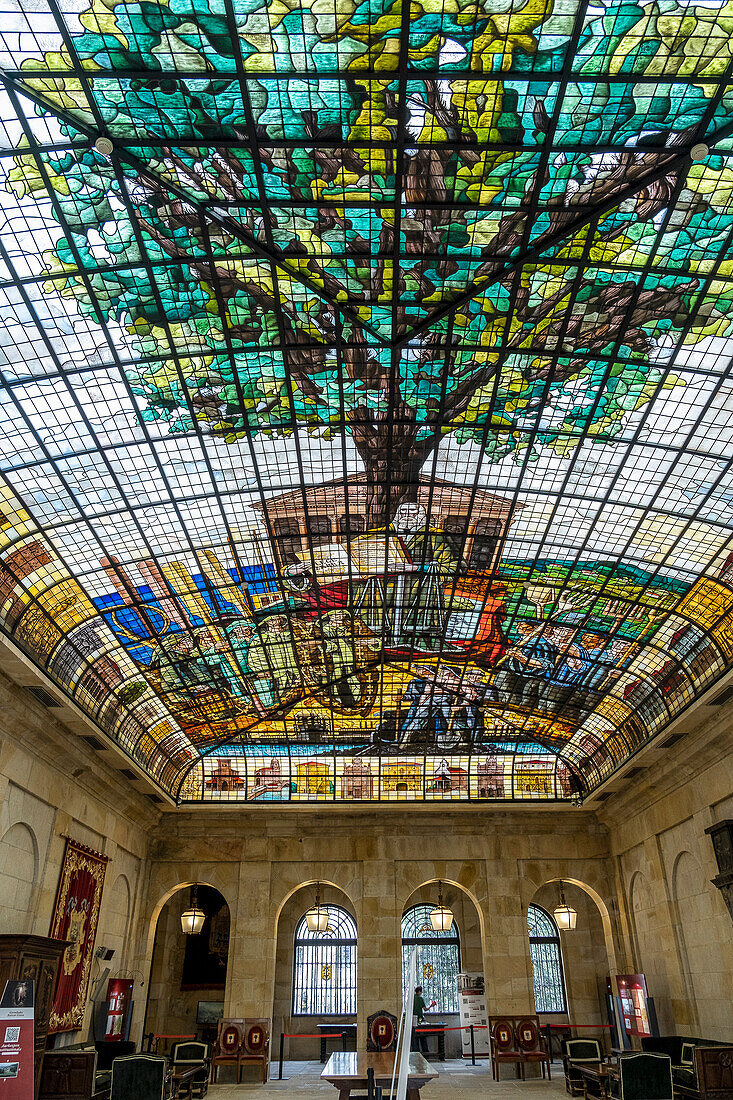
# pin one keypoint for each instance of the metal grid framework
(438, 959)
(545, 951)
(367, 385)
(324, 967)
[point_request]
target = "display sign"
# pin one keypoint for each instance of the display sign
(16, 1041)
(472, 1009)
(634, 1010)
(119, 1004)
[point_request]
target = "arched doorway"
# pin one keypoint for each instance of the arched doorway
(188, 972)
(315, 974)
(440, 957)
(581, 956)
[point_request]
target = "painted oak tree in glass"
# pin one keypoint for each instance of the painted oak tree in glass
(347, 248)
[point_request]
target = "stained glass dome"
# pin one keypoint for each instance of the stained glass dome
(366, 385)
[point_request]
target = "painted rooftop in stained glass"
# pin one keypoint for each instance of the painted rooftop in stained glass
(367, 398)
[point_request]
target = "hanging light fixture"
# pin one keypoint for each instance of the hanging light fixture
(192, 919)
(441, 916)
(317, 917)
(565, 916)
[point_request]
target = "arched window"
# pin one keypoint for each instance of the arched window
(544, 949)
(324, 966)
(438, 958)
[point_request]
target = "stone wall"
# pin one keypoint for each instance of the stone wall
(637, 868)
(675, 921)
(382, 863)
(51, 788)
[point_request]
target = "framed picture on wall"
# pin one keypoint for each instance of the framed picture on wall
(208, 1013)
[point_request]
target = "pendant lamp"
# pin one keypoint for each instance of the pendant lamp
(192, 919)
(317, 917)
(441, 916)
(565, 916)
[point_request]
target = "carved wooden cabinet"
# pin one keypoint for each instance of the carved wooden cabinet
(35, 957)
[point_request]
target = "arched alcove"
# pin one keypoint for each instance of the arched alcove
(649, 947)
(116, 921)
(188, 971)
(700, 956)
(291, 912)
(19, 868)
(585, 958)
(467, 918)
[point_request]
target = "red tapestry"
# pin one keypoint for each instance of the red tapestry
(75, 918)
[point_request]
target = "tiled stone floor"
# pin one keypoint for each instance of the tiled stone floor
(457, 1078)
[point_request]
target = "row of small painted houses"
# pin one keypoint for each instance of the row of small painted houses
(494, 777)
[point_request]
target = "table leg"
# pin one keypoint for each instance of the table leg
(345, 1093)
(413, 1094)
(323, 1051)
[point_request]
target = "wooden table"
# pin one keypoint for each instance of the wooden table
(182, 1080)
(597, 1073)
(438, 1033)
(347, 1070)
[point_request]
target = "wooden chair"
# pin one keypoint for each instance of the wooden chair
(643, 1077)
(504, 1046)
(532, 1044)
(144, 1076)
(229, 1042)
(381, 1032)
(578, 1050)
(187, 1054)
(255, 1047)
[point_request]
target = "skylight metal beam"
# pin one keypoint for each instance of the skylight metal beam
(210, 211)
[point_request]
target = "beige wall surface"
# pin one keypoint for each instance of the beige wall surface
(50, 789)
(675, 921)
(492, 865)
(637, 868)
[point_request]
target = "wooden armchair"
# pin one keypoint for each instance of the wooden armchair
(532, 1044)
(578, 1050)
(229, 1042)
(504, 1046)
(188, 1054)
(144, 1076)
(381, 1031)
(256, 1046)
(643, 1076)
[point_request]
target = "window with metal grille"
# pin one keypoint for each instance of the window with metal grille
(544, 949)
(324, 966)
(438, 958)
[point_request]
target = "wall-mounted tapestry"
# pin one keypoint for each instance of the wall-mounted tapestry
(367, 391)
(75, 916)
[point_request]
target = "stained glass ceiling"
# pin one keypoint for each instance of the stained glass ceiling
(366, 385)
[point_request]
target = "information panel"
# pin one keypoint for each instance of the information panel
(119, 1003)
(16, 1041)
(472, 1008)
(633, 996)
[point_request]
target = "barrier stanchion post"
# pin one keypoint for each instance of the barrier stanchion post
(282, 1055)
(473, 1048)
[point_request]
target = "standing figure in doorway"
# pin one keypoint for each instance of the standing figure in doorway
(419, 1041)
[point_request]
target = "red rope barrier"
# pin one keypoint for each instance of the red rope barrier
(566, 1026)
(464, 1027)
(174, 1036)
(297, 1035)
